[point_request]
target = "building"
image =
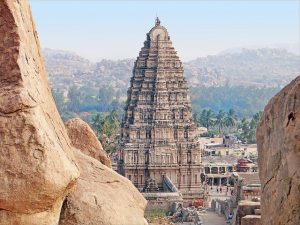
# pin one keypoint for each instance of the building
(158, 143)
(246, 165)
(246, 198)
(244, 201)
(218, 170)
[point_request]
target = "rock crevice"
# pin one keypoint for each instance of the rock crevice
(278, 140)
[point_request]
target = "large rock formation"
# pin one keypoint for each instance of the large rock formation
(278, 139)
(102, 197)
(37, 163)
(101, 193)
(37, 167)
(83, 137)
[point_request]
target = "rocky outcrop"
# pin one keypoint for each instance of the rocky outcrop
(37, 166)
(83, 138)
(278, 139)
(102, 197)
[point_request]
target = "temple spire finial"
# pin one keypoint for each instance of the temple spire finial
(157, 21)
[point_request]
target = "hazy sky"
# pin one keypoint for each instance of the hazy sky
(117, 29)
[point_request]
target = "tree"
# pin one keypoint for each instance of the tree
(253, 125)
(248, 129)
(74, 101)
(105, 96)
(107, 128)
(245, 129)
(255, 119)
(60, 101)
(207, 118)
(220, 120)
(230, 119)
(196, 118)
(96, 122)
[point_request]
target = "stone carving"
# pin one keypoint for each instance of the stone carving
(164, 118)
(279, 157)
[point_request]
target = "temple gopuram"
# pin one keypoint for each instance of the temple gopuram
(159, 152)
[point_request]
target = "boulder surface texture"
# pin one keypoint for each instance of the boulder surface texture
(37, 165)
(102, 196)
(84, 138)
(278, 140)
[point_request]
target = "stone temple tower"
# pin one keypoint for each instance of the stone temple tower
(158, 147)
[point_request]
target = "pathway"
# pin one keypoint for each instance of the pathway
(211, 218)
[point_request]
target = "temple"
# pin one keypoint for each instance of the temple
(159, 152)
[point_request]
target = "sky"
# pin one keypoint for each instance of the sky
(117, 29)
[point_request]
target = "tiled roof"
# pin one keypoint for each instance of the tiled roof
(230, 159)
(249, 177)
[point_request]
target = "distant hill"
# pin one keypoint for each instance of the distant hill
(67, 69)
(259, 67)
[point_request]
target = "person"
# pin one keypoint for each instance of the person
(220, 189)
(229, 218)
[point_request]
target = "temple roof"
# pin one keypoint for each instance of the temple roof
(158, 32)
(157, 21)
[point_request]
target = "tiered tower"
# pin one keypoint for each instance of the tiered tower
(158, 147)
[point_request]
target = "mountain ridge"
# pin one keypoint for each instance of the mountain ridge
(264, 67)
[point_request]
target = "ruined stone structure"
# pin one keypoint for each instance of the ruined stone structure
(158, 149)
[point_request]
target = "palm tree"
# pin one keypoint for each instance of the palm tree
(96, 122)
(230, 119)
(255, 120)
(220, 120)
(207, 118)
(196, 118)
(245, 130)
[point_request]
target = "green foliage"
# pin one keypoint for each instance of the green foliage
(247, 129)
(155, 213)
(227, 123)
(220, 120)
(210, 133)
(245, 101)
(74, 99)
(219, 109)
(60, 101)
(87, 99)
(107, 128)
(230, 119)
(205, 118)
